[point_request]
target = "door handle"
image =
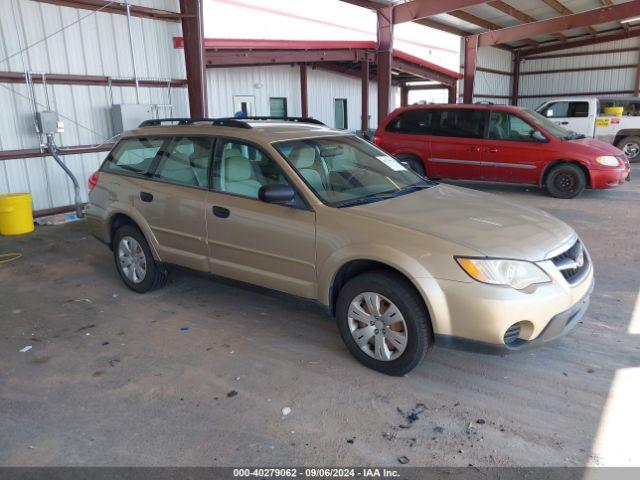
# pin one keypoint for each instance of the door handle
(564, 123)
(491, 150)
(474, 149)
(146, 197)
(221, 212)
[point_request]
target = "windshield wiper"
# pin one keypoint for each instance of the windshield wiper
(376, 197)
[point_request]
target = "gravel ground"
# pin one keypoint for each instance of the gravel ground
(113, 378)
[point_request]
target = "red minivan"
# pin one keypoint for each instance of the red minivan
(499, 143)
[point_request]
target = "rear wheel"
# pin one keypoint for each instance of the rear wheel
(383, 322)
(630, 146)
(134, 261)
(566, 181)
(413, 162)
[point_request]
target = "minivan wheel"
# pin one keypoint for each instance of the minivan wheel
(134, 261)
(566, 181)
(413, 162)
(630, 146)
(383, 322)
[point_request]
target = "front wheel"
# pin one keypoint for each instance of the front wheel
(413, 162)
(566, 180)
(630, 146)
(383, 322)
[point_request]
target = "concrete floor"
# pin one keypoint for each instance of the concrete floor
(112, 380)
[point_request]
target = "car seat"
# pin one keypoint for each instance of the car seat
(304, 160)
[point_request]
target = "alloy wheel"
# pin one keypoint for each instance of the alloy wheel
(377, 326)
(631, 150)
(132, 259)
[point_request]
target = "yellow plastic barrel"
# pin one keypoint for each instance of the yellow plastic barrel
(617, 111)
(16, 216)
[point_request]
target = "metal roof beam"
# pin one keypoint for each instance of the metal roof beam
(229, 58)
(117, 8)
(486, 24)
(416, 9)
(560, 8)
(577, 20)
(581, 43)
(519, 15)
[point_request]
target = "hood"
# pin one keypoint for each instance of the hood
(591, 146)
(476, 220)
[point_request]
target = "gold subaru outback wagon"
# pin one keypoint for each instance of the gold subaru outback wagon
(402, 262)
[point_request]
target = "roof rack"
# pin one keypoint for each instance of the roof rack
(286, 119)
(220, 122)
(484, 102)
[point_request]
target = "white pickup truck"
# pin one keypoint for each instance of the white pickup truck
(585, 115)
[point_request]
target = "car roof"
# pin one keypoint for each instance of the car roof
(448, 106)
(258, 131)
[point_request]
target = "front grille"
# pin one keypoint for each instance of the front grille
(572, 263)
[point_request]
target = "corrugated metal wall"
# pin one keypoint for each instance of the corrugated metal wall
(94, 44)
(548, 85)
(489, 86)
(262, 83)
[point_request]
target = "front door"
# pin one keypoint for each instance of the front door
(173, 201)
(510, 153)
(456, 141)
(252, 241)
(244, 104)
(571, 115)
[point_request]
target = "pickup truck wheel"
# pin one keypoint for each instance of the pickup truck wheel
(383, 322)
(630, 146)
(134, 261)
(566, 181)
(413, 162)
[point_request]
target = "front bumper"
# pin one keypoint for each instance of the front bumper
(558, 326)
(609, 178)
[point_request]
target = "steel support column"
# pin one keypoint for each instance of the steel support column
(470, 56)
(364, 75)
(515, 80)
(404, 96)
(453, 93)
(304, 99)
(193, 34)
(384, 60)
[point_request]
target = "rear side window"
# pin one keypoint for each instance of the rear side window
(566, 110)
(134, 155)
(186, 161)
(411, 122)
(459, 122)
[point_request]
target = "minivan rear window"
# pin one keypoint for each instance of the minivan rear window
(133, 155)
(411, 122)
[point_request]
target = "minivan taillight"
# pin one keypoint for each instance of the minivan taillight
(93, 180)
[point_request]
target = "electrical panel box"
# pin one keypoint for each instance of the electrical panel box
(128, 116)
(48, 122)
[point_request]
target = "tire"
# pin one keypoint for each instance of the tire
(130, 238)
(414, 324)
(566, 180)
(631, 148)
(414, 163)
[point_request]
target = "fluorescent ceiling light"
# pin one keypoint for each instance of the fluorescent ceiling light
(630, 20)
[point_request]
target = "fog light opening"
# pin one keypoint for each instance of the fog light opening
(512, 335)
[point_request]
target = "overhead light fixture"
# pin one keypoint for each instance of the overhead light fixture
(630, 20)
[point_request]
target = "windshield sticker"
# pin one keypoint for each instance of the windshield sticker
(392, 163)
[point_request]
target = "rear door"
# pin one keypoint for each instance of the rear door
(406, 134)
(253, 241)
(173, 200)
(571, 114)
(510, 153)
(456, 141)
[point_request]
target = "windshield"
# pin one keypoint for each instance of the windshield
(551, 127)
(345, 170)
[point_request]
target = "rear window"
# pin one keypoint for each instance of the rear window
(411, 122)
(134, 155)
(566, 110)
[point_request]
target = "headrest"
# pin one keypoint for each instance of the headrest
(231, 152)
(303, 157)
(237, 168)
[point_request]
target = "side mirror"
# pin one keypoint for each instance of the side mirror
(538, 136)
(279, 194)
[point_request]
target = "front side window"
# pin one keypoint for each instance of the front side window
(278, 107)
(134, 155)
(345, 170)
(186, 161)
(505, 126)
(459, 122)
(566, 110)
(241, 169)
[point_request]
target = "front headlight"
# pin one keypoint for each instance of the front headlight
(496, 271)
(607, 161)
